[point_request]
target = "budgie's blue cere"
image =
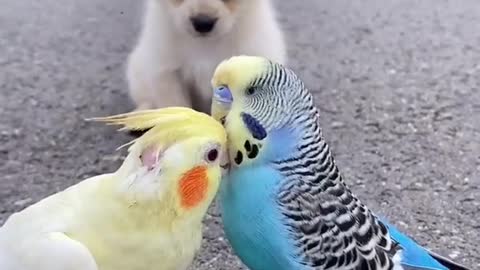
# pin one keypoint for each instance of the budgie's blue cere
(284, 204)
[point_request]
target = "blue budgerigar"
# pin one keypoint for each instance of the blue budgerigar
(284, 203)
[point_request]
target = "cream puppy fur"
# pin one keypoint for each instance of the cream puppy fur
(182, 41)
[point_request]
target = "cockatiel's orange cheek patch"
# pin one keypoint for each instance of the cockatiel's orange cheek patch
(193, 187)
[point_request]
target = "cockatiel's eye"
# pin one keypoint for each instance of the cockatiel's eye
(211, 155)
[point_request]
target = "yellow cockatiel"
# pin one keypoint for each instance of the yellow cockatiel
(145, 216)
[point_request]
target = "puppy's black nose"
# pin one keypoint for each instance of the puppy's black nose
(203, 23)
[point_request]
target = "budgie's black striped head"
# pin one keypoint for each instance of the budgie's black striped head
(259, 101)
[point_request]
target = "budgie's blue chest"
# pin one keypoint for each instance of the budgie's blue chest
(253, 222)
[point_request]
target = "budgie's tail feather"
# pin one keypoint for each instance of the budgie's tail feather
(451, 265)
(417, 257)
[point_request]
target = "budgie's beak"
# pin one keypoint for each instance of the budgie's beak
(223, 95)
(222, 103)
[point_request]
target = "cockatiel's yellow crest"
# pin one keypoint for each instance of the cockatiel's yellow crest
(146, 215)
(167, 125)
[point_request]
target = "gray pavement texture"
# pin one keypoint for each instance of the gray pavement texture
(396, 82)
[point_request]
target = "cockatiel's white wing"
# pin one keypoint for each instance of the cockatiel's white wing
(47, 251)
(37, 237)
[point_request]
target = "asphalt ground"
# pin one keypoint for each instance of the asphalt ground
(396, 83)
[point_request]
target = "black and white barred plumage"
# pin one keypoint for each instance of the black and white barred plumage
(327, 226)
(331, 227)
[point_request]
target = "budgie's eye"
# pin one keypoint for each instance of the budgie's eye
(251, 91)
(212, 155)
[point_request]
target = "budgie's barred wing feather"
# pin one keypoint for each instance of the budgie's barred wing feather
(333, 230)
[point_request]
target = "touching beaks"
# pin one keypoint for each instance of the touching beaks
(224, 162)
(223, 94)
(225, 169)
(225, 166)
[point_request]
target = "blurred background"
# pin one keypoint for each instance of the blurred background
(397, 84)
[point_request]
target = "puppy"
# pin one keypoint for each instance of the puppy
(182, 41)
